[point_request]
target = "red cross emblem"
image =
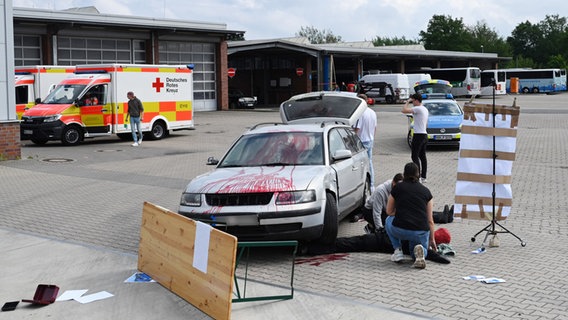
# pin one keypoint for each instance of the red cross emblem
(158, 85)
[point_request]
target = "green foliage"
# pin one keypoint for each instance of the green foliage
(236, 37)
(316, 36)
(521, 62)
(394, 41)
(445, 33)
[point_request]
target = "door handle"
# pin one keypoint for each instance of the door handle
(104, 110)
(354, 168)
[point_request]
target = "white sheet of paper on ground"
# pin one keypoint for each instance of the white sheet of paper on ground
(71, 294)
(492, 280)
(474, 278)
(94, 297)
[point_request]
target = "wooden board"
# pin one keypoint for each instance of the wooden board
(167, 253)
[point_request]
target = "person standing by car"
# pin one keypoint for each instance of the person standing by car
(136, 113)
(410, 217)
(420, 138)
(365, 129)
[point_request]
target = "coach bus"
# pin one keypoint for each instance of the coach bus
(465, 81)
(537, 80)
(494, 78)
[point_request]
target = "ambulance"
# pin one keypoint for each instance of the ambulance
(35, 82)
(92, 103)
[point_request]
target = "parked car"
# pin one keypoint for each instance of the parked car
(237, 99)
(445, 114)
(291, 180)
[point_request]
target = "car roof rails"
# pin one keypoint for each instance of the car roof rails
(265, 124)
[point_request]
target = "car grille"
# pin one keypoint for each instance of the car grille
(238, 199)
(34, 120)
(438, 130)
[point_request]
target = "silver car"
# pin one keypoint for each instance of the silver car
(291, 180)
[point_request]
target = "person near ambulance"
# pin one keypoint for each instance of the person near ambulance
(136, 113)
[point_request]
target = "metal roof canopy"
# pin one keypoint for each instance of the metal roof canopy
(98, 19)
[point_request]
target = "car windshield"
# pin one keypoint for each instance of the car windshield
(64, 94)
(443, 108)
(276, 148)
(432, 88)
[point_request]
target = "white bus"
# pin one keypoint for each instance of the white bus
(494, 78)
(465, 81)
(537, 80)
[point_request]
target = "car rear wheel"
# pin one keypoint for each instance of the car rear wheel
(330, 223)
(535, 90)
(158, 130)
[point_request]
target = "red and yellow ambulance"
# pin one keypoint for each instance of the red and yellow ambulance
(35, 82)
(69, 114)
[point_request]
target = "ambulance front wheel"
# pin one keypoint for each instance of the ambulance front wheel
(72, 135)
(159, 130)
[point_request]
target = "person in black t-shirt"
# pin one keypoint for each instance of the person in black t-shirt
(410, 217)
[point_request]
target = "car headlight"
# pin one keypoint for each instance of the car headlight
(191, 199)
(295, 197)
(52, 118)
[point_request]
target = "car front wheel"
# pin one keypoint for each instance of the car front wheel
(409, 138)
(330, 223)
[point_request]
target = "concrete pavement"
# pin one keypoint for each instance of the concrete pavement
(71, 216)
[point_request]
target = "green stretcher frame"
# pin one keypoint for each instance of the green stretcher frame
(243, 247)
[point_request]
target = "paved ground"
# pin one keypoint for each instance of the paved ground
(82, 206)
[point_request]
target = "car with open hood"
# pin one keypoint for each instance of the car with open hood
(293, 180)
(445, 115)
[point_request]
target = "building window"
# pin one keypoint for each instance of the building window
(202, 55)
(27, 50)
(74, 51)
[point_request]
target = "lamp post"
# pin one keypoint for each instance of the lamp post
(481, 48)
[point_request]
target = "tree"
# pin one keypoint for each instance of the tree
(445, 33)
(236, 37)
(316, 36)
(395, 41)
(485, 39)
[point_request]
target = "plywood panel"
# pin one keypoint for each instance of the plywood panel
(166, 253)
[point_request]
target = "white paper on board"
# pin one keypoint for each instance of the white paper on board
(201, 250)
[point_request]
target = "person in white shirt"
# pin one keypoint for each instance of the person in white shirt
(420, 138)
(365, 129)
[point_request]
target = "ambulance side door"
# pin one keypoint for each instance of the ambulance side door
(96, 110)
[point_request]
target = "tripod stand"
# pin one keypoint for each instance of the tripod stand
(491, 229)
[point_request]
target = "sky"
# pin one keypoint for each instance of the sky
(352, 20)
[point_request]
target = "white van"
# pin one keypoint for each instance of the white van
(413, 78)
(398, 81)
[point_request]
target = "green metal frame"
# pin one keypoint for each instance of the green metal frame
(243, 247)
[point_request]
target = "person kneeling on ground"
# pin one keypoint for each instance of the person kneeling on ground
(410, 217)
(375, 209)
(372, 242)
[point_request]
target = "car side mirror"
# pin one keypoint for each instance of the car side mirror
(211, 161)
(341, 154)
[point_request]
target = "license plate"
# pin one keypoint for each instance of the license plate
(28, 132)
(442, 137)
(250, 104)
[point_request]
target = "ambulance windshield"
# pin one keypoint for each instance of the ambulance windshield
(64, 94)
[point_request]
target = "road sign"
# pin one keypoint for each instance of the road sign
(231, 72)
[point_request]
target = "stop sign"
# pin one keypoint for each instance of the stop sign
(231, 72)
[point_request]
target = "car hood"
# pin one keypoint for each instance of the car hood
(444, 121)
(43, 110)
(255, 179)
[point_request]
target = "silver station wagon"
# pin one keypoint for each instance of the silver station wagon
(291, 180)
